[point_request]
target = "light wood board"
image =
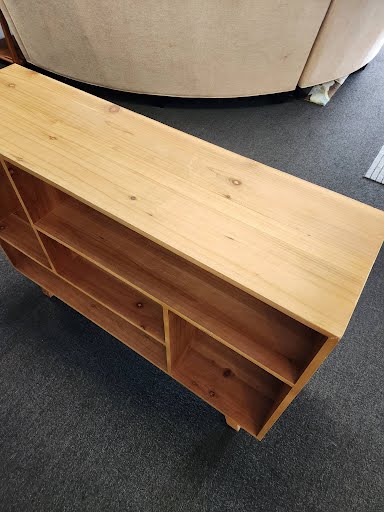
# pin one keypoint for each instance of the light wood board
(304, 250)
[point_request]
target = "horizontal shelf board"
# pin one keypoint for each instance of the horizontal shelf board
(228, 382)
(116, 295)
(19, 233)
(264, 335)
(134, 338)
(113, 293)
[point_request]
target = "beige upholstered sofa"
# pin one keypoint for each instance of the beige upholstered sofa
(198, 48)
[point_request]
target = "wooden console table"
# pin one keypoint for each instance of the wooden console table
(232, 277)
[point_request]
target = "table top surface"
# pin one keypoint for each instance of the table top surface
(301, 248)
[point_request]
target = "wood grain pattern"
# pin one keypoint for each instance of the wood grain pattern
(264, 335)
(181, 334)
(23, 211)
(148, 229)
(112, 293)
(21, 214)
(284, 400)
(19, 233)
(125, 332)
(222, 377)
(38, 197)
(14, 224)
(300, 248)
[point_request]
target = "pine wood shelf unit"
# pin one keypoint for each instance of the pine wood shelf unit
(234, 278)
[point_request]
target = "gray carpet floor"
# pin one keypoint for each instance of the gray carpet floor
(87, 425)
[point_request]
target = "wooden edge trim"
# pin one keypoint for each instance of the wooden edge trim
(322, 354)
(167, 338)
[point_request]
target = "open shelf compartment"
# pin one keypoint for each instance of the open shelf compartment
(134, 338)
(116, 295)
(15, 228)
(277, 343)
(223, 378)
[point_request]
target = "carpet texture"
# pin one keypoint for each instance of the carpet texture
(87, 425)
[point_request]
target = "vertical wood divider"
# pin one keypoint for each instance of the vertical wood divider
(9, 176)
(323, 353)
(167, 338)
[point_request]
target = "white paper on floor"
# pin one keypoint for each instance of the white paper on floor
(376, 171)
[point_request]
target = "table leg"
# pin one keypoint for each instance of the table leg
(232, 423)
(47, 293)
